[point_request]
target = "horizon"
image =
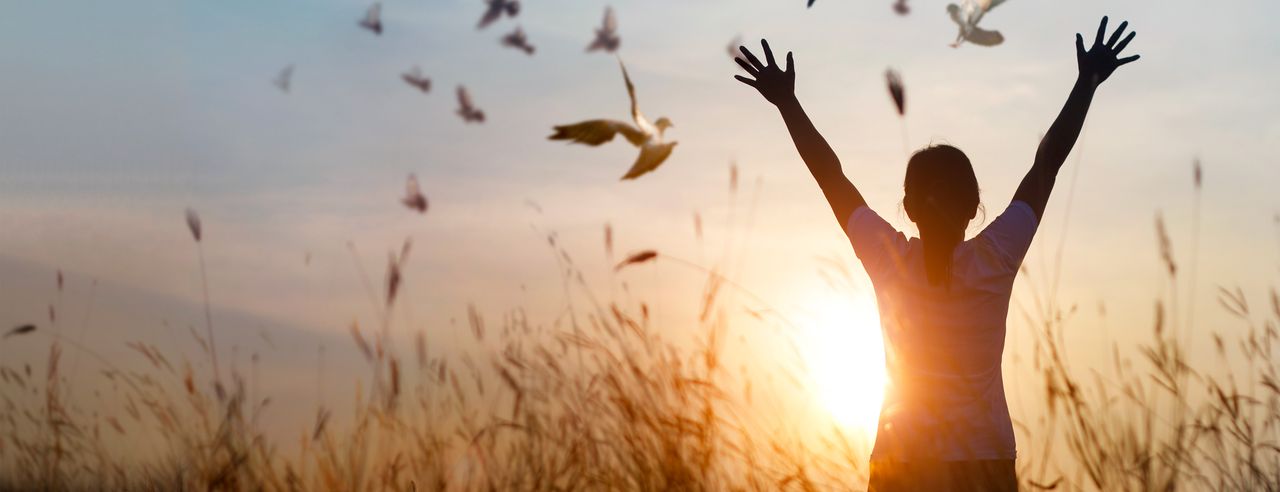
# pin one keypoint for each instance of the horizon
(119, 118)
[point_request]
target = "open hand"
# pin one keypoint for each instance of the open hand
(1098, 63)
(775, 84)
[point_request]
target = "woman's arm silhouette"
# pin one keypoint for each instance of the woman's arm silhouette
(1095, 66)
(778, 87)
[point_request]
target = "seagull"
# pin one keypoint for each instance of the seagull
(283, 80)
(647, 136)
(607, 35)
(413, 197)
(517, 39)
(466, 109)
(901, 7)
(415, 78)
(966, 15)
(496, 9)
(896, 91)
(373, 19)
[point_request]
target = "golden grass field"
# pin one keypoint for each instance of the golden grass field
(599, 399)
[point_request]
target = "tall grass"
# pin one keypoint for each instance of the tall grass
(602, 400)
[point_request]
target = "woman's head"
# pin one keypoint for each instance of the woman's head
(941, 197)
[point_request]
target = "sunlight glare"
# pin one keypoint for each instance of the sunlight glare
(844, 351)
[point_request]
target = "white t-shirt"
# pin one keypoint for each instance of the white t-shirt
(943, 345)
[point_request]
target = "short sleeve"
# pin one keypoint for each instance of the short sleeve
(1010, 235)
(876, 243)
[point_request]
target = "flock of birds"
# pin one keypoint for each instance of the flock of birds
(646, 136)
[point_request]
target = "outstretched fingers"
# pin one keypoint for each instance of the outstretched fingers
(1102, 31)
(1127, 59)
(747, 81)
(1125, 42)
(790, 63)
(751, 58)
(1116, 35)
(1079, 45)
(747, 66)
(768, 53)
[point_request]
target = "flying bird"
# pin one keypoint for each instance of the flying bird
(901, 7)
(284, 79)
(373, 19)
(518, 40)
(415, 78)
(466, 109)
(607, 35)
(413, 197)
(810, 4)
(896, 91)
(647, 136)
(967, 15)
(495, 10)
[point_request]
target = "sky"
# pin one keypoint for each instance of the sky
(118, 116)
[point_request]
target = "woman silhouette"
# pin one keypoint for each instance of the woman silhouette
(943, 301)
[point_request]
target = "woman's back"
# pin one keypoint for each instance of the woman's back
(943, 342)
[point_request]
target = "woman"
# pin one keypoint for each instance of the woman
(943, 300)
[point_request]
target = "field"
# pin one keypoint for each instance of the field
(338, 245)
(599, 399)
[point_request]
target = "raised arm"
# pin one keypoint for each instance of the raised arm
(1095, 66)
(778, 87)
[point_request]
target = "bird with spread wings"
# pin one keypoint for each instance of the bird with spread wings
(967, 15)
(467, 109)
(494, 9)
(607, 38)
(640, 132)
(372, 19)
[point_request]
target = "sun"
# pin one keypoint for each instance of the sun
(844, 351)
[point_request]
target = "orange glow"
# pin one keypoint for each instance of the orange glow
(844, 351)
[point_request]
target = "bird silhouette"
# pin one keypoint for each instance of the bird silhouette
(518, 40)
(284, 80)
(967, 15)
(373, 18)
(495, 9)
(415, 78)
(466, 109)
(647, 136)
(810, 4)
(413, 197)
(607, 35)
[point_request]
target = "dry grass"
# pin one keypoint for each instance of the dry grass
(600, 400)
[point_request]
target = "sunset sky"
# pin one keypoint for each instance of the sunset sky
(118, 116)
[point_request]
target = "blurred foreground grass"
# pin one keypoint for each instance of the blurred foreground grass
(599, 400)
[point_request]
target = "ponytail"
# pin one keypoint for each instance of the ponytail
(939, 250)
(942, 193)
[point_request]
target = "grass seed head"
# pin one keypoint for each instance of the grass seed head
(636, 258)
(896, 90)
(20, 330)
(193, 223)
